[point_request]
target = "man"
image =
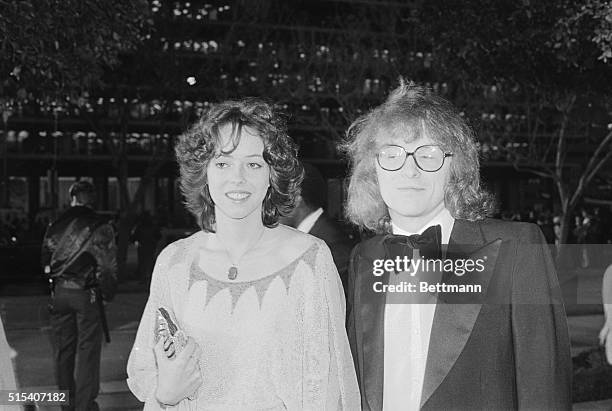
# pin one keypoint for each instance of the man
(79, 256)
(309, 216)
(492, 338)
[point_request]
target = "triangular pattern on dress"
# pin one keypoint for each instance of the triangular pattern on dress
(180, 252)
(309, 257)
(261, 285)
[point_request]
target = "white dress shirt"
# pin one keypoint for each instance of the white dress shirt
(307, 223)
(407, 332)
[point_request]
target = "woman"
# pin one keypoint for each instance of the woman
(7, 376)
(605, 335)
(262, 304)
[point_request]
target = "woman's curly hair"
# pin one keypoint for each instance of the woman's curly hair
(201, 143)
(417, 112)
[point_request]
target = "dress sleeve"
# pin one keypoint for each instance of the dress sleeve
(141, 366)
(331, 383)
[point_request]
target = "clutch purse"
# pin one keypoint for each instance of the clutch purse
(166, 328)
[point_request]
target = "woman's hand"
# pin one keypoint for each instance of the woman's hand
(178, 377)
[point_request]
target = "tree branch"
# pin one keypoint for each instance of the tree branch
(592, 168)
(566, 108)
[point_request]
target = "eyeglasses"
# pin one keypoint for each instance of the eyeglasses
(428, 158)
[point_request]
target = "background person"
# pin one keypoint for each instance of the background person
(309, 216)
(605, 337)
(79, 256)
(146, 234)
(7, 375)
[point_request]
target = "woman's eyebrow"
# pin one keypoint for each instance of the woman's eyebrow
(231, 155)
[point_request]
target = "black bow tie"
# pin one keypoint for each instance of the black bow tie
(429, 244)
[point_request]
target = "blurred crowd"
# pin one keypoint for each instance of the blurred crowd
(16, 228)
(589, 225)
(589, 231)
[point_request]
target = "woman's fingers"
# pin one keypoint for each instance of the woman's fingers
(163, 350)
(178, 377)
(169, 348)
(159, 348)
(603, 334)
(189, 356)
(609, 350)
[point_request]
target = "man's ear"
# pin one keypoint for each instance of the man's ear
(298, 200)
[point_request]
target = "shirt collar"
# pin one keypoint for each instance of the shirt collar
(307, 223)
(444, 219)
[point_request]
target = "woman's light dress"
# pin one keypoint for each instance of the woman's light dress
(272, 344)
(7, 377)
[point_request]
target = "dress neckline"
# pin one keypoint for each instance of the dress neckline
(195, 269)
(237, 288)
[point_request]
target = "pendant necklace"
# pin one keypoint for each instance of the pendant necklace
(232, 272)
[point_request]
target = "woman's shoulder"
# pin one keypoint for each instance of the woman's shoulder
(295, 239)
(177, 251)
(289, 243)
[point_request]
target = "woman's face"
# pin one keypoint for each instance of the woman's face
(238, 181)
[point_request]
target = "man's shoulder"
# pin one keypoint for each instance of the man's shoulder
(497, 225)
(370, 247)
(494, 228)
(84, 215)
(98, 224)
(75, 218)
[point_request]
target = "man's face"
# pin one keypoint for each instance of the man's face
(238, 181)
(412, 196)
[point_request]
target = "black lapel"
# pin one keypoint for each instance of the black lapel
(319, 227)
(455, 313)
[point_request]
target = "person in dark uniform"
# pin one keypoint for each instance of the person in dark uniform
(309, 216)
(79, 258)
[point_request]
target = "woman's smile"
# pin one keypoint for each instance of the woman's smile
(238, 196)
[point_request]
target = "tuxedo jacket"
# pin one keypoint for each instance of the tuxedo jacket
(338, 242)
(503, 349)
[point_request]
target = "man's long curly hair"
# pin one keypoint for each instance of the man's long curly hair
(417, 112)
(201, 143)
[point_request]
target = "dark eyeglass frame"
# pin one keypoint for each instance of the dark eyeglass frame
(408, 154)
